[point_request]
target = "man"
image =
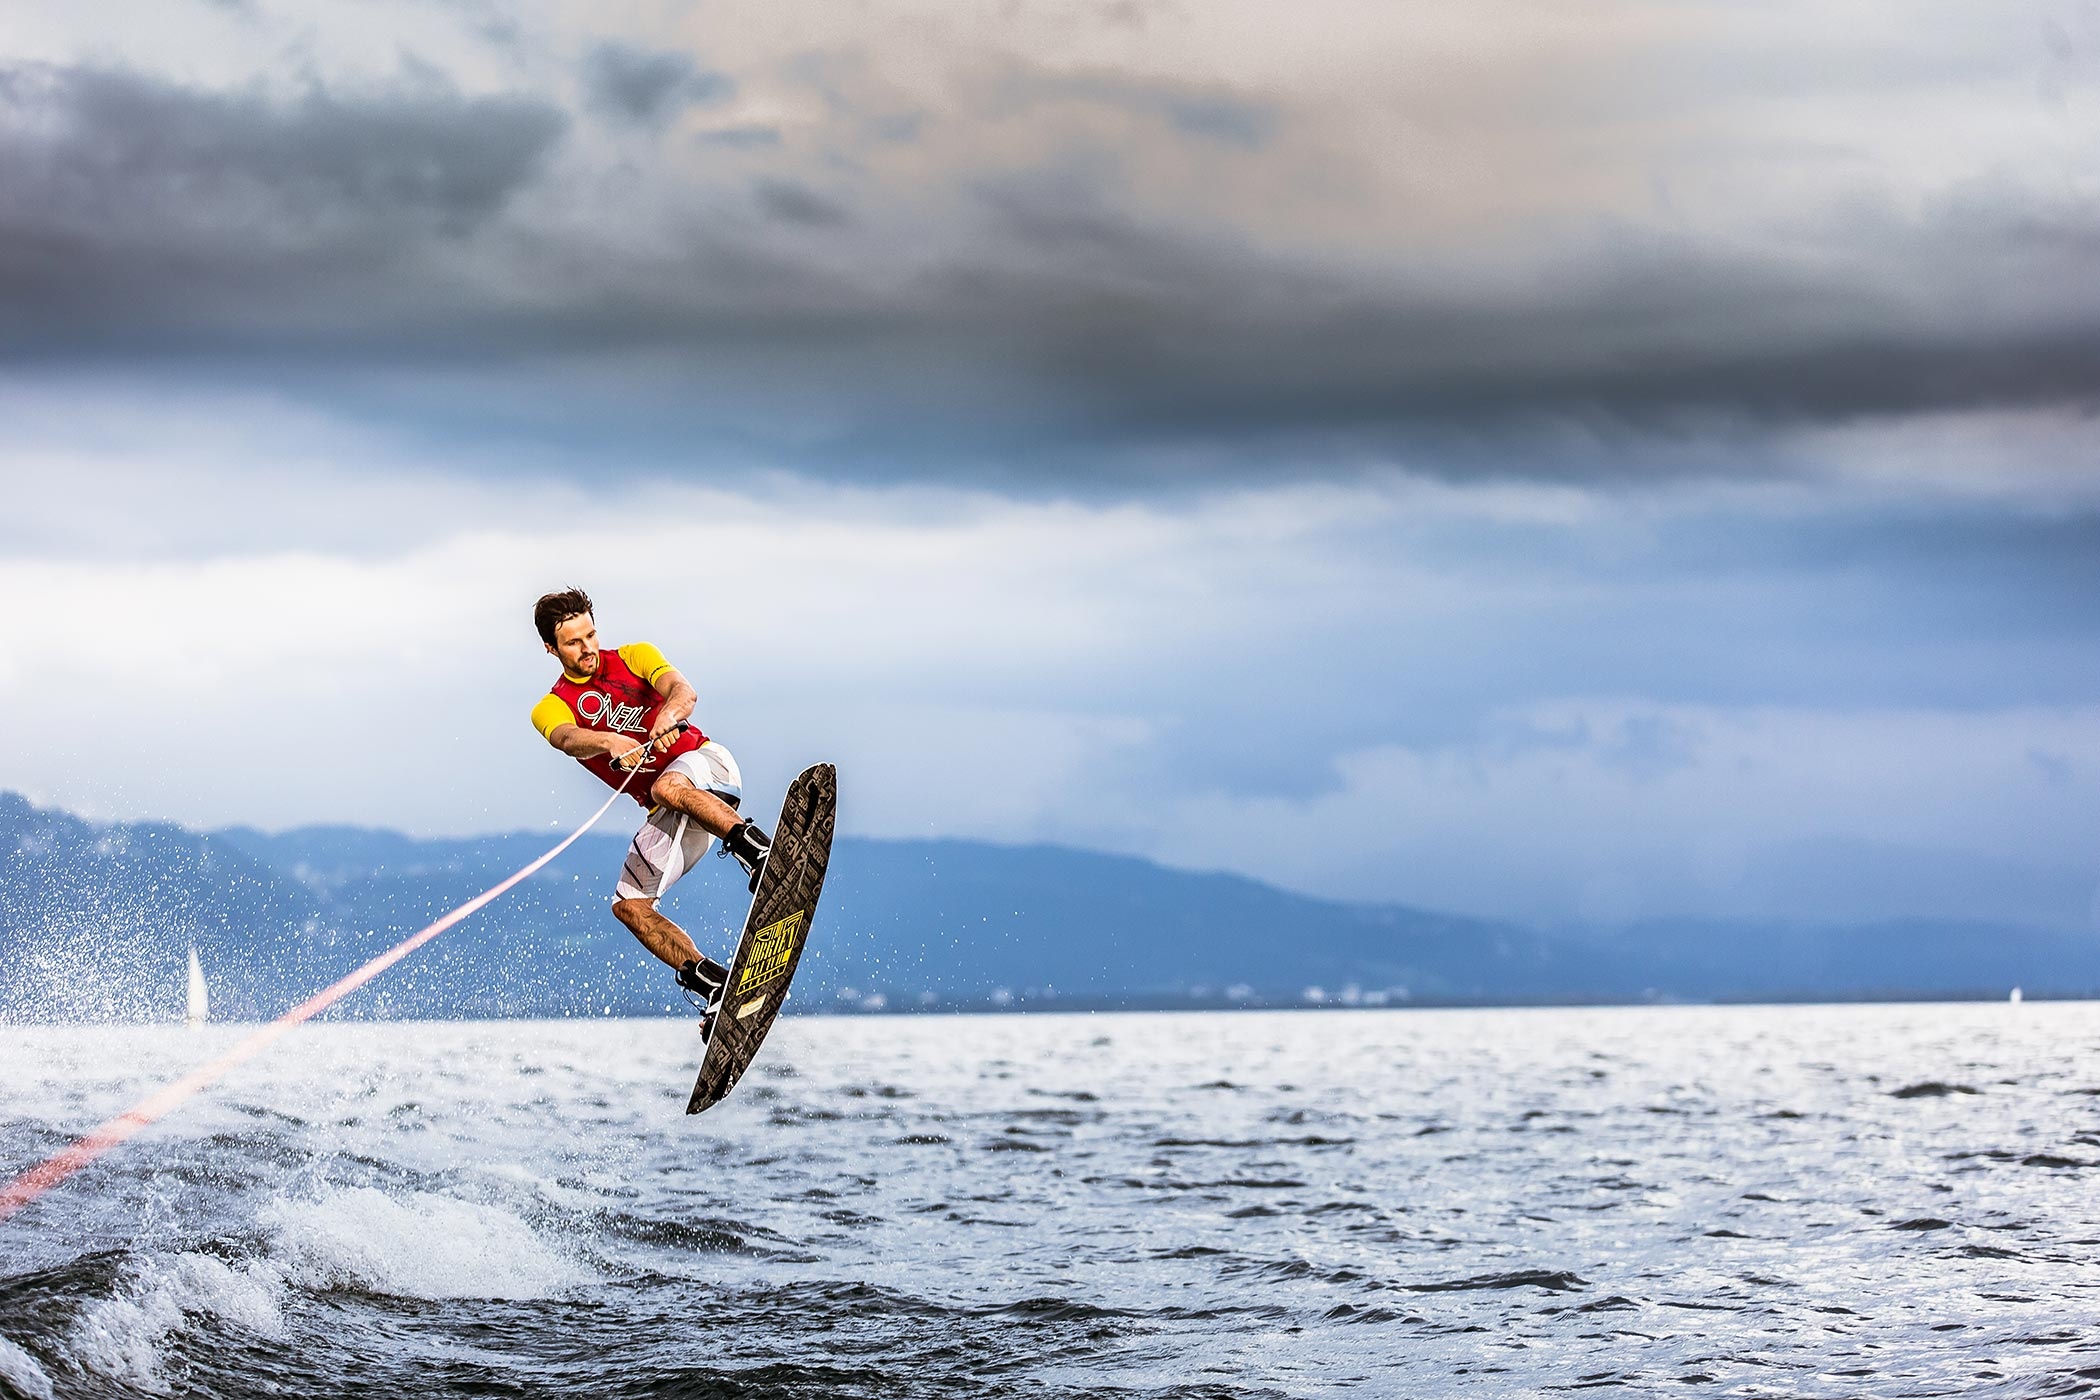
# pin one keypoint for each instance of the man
(614, 711)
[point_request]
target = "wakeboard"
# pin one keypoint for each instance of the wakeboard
(775, 933)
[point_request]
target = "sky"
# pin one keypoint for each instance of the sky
(1627, 461)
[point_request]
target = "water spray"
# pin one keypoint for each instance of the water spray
(56, 1168)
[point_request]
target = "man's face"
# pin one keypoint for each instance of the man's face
(576, 644)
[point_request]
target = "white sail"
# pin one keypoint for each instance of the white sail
(200, 999)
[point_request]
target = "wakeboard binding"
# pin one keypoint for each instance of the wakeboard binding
(702, 980)
(750, 846)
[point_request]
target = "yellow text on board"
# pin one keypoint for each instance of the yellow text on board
(772, 948)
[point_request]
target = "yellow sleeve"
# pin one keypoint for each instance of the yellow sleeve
(550, 714)
(644, 660)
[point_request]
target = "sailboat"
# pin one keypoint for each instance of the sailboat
(199, 998)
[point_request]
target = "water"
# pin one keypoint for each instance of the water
(1764, 1201)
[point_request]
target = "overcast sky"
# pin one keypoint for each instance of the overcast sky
(1583, 463)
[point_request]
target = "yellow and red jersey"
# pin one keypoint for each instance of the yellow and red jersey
(620, 699)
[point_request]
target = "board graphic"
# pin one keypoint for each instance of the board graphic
(775, 933)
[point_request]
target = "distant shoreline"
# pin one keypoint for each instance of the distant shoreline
(907, 927)
(1078, 1006)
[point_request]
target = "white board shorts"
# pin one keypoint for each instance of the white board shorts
(670, 842)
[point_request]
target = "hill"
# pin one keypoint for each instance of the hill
(96, 920)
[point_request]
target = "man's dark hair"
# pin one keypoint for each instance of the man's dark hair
(553, 610)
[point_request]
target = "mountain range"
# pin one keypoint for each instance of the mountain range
(96, 920)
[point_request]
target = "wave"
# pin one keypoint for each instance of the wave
(417, 1245)
(110, 1316)
(125, 1315)
(20, 1370)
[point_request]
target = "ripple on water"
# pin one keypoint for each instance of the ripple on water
(937, 1207)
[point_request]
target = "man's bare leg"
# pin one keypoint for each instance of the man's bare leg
(676, 791)
(718, 818)
(657, 933)
(643, 919)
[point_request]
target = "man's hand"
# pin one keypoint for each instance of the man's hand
(666, 731)
(624, 749)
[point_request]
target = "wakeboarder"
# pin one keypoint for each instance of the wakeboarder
(614, 710)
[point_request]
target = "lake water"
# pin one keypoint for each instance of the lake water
(1799, 1201)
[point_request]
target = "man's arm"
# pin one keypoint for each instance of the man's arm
(679, 699)
(578, 742)
(557, 724)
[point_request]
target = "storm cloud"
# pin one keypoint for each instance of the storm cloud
(646, 87)
(139, 214)
(1555, 462)
(966, 256)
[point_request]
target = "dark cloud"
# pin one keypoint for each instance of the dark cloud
(647, 87)
(1063, 325)
(1208, 112)
(1235, 123)
(1157, 335)
(741, 137)
(427, 156)
(798, 204)
(134, 208)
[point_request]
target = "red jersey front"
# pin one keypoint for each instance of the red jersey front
(620, 699)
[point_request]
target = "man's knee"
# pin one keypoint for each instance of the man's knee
(665, 791)
(631, 911)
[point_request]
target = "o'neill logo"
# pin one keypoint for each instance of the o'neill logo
(599, 709)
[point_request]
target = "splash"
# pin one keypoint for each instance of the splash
(55, 1169)
(19, 1369)
(123, 1338)
(416, 1245)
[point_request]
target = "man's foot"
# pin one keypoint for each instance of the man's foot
(750, 846)
(704, 980)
